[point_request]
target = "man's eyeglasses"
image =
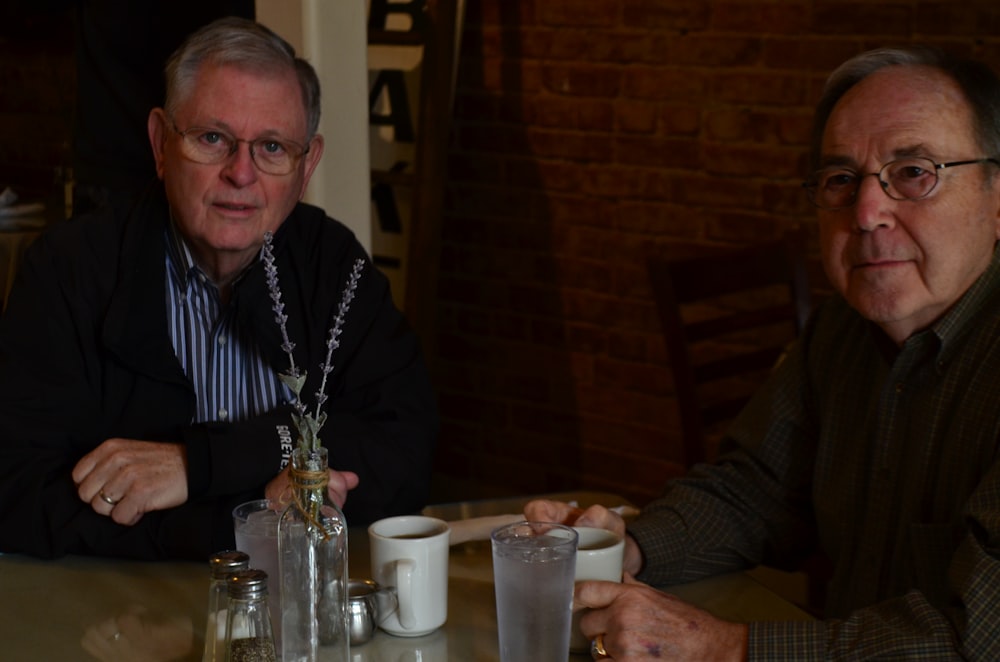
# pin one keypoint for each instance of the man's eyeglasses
(912, 178)
(274, 156)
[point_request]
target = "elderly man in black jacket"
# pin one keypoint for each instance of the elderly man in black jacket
(139, 354)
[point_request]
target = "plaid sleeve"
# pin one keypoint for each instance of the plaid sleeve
(906, 628)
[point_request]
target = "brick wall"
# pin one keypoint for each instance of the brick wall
(588, 134)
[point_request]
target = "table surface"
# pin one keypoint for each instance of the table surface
(70, 609)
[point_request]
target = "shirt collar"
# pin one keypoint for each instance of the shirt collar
(954, 324)
(181, 259)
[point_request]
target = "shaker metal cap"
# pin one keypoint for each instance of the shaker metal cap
(231, 560)
(247, 584)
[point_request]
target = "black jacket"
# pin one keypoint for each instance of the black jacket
(85, 356)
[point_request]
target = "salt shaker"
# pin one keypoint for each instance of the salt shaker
(220, 565)
(249, 637)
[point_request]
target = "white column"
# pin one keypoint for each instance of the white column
(332, 35)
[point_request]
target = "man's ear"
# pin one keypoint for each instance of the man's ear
(311, 159)
(156, 127)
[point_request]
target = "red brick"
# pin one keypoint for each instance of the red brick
(570, 145)
(573, 209)
(680, 119)
(810, 53)
(680, 15)
(580, 13)
(659, 152)
(765, 88)
(860, 18)
(770, 18)
(963, 19)
(662, 220)
(572, 113)
(582, 80)
(713, 51)
(675, 84)
(753, 160)
(635, 116)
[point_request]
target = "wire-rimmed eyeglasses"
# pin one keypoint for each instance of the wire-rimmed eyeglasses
(910, 178)
(274, 156)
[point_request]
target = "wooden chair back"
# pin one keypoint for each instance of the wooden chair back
(727, 318)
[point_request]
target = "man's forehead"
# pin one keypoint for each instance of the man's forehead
(239, 98)
(900, 111)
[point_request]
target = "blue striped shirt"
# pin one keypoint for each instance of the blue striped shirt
(231, 379)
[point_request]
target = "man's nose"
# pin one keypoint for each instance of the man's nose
(240, 168)
(873, 208)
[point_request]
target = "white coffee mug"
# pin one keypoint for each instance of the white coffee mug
(410, 553)
(599, 555)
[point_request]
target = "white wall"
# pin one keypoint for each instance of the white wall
(332, 36)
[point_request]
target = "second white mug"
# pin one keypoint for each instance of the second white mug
(599, 555)
(410, 553)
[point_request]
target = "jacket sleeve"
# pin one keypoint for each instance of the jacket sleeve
(54, 394)
(749, 507)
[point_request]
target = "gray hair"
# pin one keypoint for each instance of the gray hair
(978, 83)
(243, 43)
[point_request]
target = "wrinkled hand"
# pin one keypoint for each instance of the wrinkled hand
(279, 490)
(640, 623)
(136, 476)
(598, 517)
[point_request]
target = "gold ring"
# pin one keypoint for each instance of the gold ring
(108, 500)
(597, 650)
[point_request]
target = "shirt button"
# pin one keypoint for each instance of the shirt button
(222, 340)
(223, 414)
(899, 387)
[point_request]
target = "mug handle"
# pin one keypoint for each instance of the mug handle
(404, 593)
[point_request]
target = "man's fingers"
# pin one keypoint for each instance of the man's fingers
(596, 594)
(545, 510)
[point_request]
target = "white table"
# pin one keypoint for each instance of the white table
(69, 609)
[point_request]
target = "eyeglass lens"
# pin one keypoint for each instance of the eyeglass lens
(209, 146)
(903, 179)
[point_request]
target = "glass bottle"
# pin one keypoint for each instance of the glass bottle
(249, 637)
(220, 566)
(312, 557)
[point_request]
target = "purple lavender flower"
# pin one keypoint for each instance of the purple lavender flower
(308, 425)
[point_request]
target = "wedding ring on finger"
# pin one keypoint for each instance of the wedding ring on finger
(108, 500)
(597, 650)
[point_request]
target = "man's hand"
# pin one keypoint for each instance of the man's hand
(598, 517)
(639, 623)
(127, 478)
(279, 490)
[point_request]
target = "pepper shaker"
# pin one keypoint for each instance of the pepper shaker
(249, 637)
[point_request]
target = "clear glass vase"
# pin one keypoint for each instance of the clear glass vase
(312, 557)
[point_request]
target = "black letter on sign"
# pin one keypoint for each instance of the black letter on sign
(380, 10)
(385, 204)
(399, 106)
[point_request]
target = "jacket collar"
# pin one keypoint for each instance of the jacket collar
(135, 327)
